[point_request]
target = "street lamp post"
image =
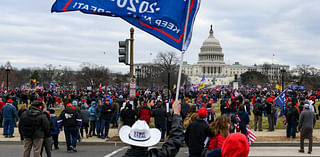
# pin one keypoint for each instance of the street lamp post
(7, 73)
(282, 70)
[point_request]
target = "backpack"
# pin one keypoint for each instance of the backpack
(29, 124)
(256, 110)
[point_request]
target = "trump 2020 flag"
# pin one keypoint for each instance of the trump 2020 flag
(164, 19)
(281, 99)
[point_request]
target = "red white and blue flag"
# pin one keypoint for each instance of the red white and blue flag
(251, 136)
(164, 19)
(285, 123)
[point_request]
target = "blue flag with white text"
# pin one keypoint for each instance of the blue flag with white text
(164, 19)
(281, 99)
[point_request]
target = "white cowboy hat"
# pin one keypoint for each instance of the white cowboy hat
(140, 134)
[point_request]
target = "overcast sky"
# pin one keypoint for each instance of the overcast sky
(249, 31)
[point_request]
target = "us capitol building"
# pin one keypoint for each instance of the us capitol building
(211, 64)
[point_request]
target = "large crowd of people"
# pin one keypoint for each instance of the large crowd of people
(210, 122)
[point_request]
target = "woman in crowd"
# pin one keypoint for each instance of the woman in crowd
(220, 129)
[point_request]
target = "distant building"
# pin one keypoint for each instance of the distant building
(273, 71)
(211, 64)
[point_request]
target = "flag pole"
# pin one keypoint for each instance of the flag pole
(183, 51)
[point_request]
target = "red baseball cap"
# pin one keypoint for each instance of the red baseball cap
(9, 101)
(202, 113)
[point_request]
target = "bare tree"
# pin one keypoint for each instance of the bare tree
(93, 75)
(167, 61)
(168, 65)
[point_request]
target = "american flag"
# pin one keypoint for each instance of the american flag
(236, 125)
(237, 116)
(251, 136)
(259, 86)
(239, 120)
(285, 123)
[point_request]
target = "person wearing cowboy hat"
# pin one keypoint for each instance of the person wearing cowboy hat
(140, 137)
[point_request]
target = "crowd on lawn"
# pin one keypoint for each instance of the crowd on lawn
(192, 121)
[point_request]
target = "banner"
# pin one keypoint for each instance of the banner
(281, 99)
(164, 19)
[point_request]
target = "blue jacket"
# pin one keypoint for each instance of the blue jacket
(244, 117)
(9, 111)
(92, 112)
(54, 118)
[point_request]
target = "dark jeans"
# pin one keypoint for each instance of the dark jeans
(92, 127)
(55, 138)
(8, 126)
(98, 127)
(47, 143)
(243, 130)
(0, 120)
(162, 128)
(291, 129)
(271, 122)
(105, 125)
(115, 121)
(71, 136)
(85, 128)
(306, 133)
(257, 120)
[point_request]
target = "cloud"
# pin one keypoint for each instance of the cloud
(249, 32)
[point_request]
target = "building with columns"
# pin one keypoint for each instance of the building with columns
(211, 64)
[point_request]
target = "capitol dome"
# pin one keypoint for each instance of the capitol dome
(211, 51)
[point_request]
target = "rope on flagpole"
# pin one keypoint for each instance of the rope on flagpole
(183, 51)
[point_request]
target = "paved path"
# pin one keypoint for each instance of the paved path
(112, 151)
(262, 136)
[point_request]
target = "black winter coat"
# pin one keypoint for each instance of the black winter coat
(195, 136)
(292, 115)
(159, 115)
(106, 112)
(258, 109)
(69, 118)
(41, 124)
(169, 148)
(128, 116)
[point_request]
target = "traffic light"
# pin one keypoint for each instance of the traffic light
(124, 51)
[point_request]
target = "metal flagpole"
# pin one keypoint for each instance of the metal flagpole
(183, 51)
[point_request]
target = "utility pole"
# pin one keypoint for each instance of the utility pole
(131, 51)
